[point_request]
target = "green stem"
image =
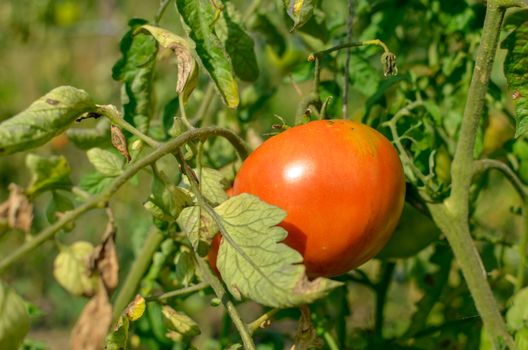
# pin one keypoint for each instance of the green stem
(255, 325)
(134, 276)
(456, 230)
(178, 292)
(375, 42)
(482, 165)
(99, 200)
(221, 293)
(452, 216)
(523, 245)
(381, 294)
(161, 10)
(111, 112)
(330, 341)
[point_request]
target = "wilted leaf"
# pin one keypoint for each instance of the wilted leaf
(72, 269)
(17, 211)
(44, 119)
(47, 173)
(259, 266)
(179, 322)
(199, 227)
(92, 137)
(238, 44)
(187, 67)
(199, 15)
(136, 70)
(90, 331)
(105, 162)
(300, 11)
(14, 319)
(516, 70)
(212, 185)
(119, 142)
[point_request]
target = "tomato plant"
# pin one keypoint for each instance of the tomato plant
(341, 184)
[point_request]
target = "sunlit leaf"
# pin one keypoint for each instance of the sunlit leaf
(258, 266)
(198, 15)
(516, 70)
(47, 173)
(105, 162)
(212, 185)
(44, 119)
(179, 322)
(199, 227)
(94, 182)
(72, 270)
(517, 315)
(14, 319)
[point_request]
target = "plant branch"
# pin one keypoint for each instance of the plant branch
(346, 83)
(99, 200)
(178, 292)
(111, 113)
(136, 273)
(261, 321)
(321, 53)
(452, 216)
(482, 165)
(382, 287)
(161, 10)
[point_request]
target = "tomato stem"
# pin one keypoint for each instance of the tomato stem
(452, 216)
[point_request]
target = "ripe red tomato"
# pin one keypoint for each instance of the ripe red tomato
(341, 184)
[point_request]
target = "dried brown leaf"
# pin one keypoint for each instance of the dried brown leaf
(119, 141)
(90, 331)
(104, 258)
(306, 335)
(17, 210)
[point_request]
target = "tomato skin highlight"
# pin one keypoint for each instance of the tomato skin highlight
(341, 184)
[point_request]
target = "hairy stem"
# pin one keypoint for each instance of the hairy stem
(134, 276)
(99, 200)
(262, 320)
(452, 216)
(178, 292)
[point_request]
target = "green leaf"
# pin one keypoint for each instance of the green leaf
(135, 70)
(300, 11)
(185, 266)
(45, 118)
(521, 339)
(118, 339)
(167, 201)
(105, 162)
(94, 182)
(238, 44)
(212, 185)
(187, 67)
(516, 71)
(47, 173)
(262, 24)
(71, 269)
(199, 227)
(199, 15)
(254, 263)
(517, 315)
(179, 323)
(90, 138)
(14, 319)
(363, 77)
(59, 204)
